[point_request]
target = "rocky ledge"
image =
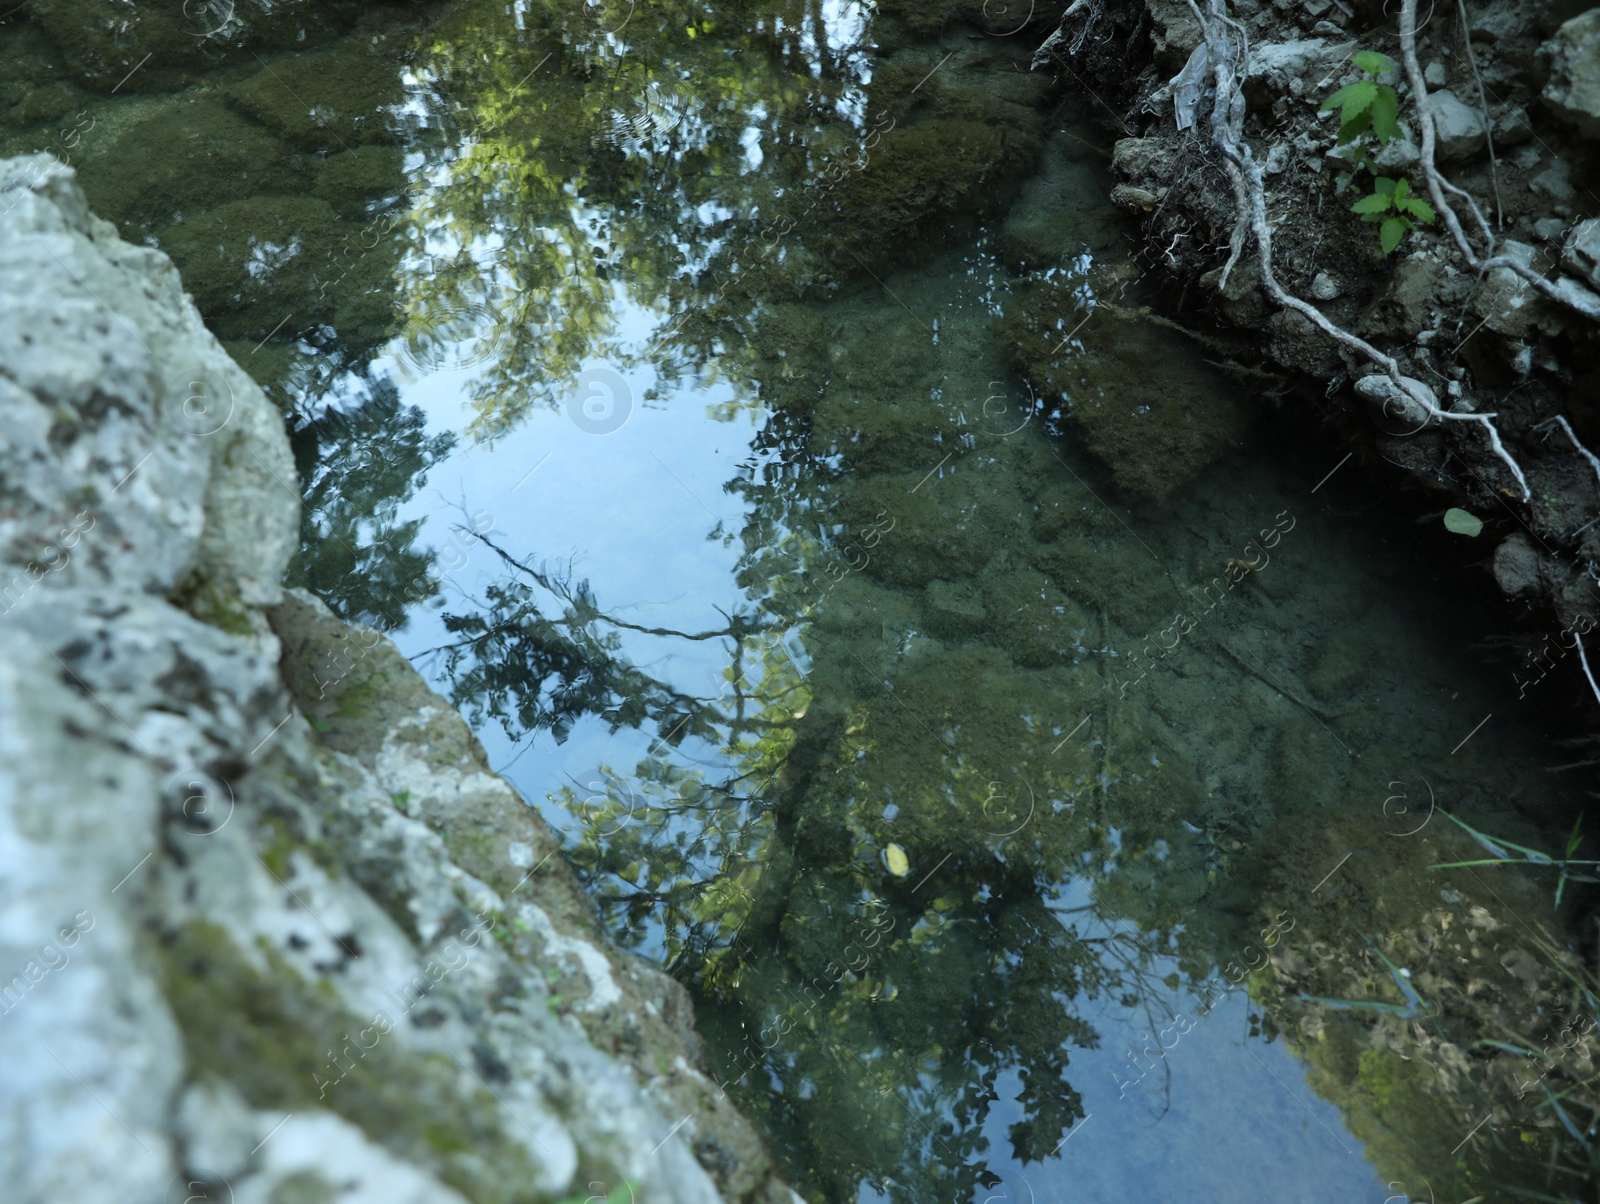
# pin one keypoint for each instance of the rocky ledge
(270, 930)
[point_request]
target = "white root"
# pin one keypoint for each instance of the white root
(1228, 46)
(1585, 302)
(1560, 420)
(1042, 55)
(1583, 657)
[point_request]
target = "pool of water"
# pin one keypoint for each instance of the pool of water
(1035, 750)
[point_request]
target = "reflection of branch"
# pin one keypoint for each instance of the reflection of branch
(737, 627)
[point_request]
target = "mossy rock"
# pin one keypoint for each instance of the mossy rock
(953, 609)
(942, 531)
(1116, 577)
(1033, 620)
(251, 263)
(334, 100)
(166, 46)
(1145, 405)
(922, 179)
(51, 102)
(268, 1031)
(356, 182)
(188, 159)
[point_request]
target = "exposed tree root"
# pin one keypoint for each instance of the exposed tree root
(1228, 47)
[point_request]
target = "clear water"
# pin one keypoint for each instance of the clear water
(1037, 776)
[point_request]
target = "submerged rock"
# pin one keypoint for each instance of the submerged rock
(270, 924)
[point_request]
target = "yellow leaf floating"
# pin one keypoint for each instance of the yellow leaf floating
(1461, 522)
(895, 857)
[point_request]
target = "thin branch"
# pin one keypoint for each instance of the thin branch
(1584, 658)
(1483, 106)
(1594, 461)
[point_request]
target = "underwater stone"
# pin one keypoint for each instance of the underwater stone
(332, 100)
(187, 158)
(953, 609)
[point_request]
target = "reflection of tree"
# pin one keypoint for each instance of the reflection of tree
(891, 1006)
(527, 671)
(359, 463)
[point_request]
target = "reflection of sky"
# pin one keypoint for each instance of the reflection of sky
(1242, 1128)
(632, 511)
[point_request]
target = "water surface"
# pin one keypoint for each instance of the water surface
(1027, 743)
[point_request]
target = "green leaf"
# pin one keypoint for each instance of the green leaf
(1353, 100)
(1461, 522)
(1376, 203)
(1344, 94)
(1372, 62)
(1383, 185)
(1419, 209)
(1402, 189)
(1385, 113)
(1392, 231)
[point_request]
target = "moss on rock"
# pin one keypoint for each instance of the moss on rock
(274, 1035)
(189, 158)
(333, 100)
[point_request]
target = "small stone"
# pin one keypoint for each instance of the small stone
(1434, 75)
(1526, 157)
(1513, 127)
(1554, 182)
(1549, 229)
(1324, 287)
(1394, 409)
(1397, 156)
(1126, 196)
(1516, 566)
(1582, 251)
(1507, 303)
(1458, 128)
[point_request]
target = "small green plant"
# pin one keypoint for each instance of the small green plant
(1392, 204)
(1367, 109)
(1503, 852)
(1369, 117)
